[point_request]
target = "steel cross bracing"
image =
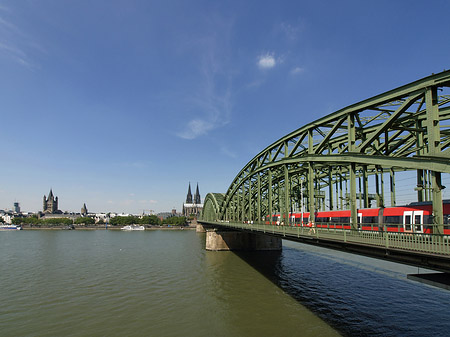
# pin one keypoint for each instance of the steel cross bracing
(330, 160)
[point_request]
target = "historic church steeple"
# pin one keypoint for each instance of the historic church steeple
(84, 210)
(50, 204)
(189, 195)
(197, 199)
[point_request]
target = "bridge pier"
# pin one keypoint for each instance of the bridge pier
(236, 240)
(200, 228)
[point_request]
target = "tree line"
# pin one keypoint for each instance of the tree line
(32, 220)
(152, 220)
(116, 221)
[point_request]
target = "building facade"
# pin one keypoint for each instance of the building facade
(193, 205)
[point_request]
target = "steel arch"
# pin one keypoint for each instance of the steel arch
(402, 129)
(211, 208)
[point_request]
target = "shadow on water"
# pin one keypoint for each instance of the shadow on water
(270, 265)
(356, 296)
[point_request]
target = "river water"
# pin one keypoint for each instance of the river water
(163, 283)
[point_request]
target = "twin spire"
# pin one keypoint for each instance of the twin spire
(196, 199)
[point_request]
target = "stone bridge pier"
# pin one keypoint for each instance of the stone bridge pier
(236, 240)
(220, 239)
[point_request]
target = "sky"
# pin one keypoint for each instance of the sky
(122, 104)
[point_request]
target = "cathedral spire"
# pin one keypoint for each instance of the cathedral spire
(197, 199)
(189, 195)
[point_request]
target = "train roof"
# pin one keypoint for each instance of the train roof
(422, 203)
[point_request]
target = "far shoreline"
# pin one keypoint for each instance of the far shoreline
(114, 228)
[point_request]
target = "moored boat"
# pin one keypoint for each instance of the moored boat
(9, 227)
(133, 228)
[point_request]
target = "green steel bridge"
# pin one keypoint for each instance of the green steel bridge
(341, 162)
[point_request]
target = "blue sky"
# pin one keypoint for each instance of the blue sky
(120, 104)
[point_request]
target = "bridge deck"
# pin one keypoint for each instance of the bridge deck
(423, 250)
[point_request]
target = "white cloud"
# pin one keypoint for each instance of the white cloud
(266, 61)
(297, 70)
(196, 128)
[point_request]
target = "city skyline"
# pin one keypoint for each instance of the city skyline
(121, 104)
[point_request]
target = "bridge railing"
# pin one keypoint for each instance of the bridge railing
(388, 236)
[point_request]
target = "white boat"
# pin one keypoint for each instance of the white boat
(7, 227)
(133, 228)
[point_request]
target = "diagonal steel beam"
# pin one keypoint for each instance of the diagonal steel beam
(405, 106)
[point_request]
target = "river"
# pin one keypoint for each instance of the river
(164, 283)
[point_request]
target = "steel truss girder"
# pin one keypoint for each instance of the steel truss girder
(402, 129)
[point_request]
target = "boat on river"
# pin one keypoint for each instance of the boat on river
(9, 227)
(133, 228)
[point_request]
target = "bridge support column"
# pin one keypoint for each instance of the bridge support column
(235, 240)
(200, 229)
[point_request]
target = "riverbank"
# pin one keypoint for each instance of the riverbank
(103, 227)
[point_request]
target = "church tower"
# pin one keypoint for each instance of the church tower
(50, 204)
(197, 199)
(84, 210)
(189, 195)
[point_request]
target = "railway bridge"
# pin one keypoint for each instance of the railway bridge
(332, 182)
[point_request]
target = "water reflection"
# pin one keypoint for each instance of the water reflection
(356, 295)
(254, 307)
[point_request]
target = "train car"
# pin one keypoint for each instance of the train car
(412, 218)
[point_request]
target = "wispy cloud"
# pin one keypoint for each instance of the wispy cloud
(290, 31)
(196, 128)
(227, 152)
(297, 70)
(15, 44)
(211, 103)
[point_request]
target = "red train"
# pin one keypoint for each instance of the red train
(413, 218)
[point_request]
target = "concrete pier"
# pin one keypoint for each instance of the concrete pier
(235, 240)
(200, 229)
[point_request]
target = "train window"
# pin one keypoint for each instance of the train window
(322, 219)
(407, 219)
(344, 219)
(369, 219)
(418, 219)
(393, 219)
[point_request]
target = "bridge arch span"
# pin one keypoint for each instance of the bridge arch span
(327, 163)
(211, 206)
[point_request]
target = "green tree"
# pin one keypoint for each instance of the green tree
(84, 220)
(176, 221)
(57, 221)
(124, 220)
